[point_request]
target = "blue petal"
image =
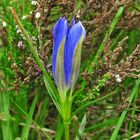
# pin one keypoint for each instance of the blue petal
(59, 69)
(73, 38)
(59, 32)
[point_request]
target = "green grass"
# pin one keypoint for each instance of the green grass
(123, 114)
(102, 108)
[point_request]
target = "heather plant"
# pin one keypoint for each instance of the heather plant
(69, 69)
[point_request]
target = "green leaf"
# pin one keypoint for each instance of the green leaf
(60, 128)
(123, 114)
(4, 108)
(26, 129)
(89, 103)
(82, 127)
(111, 29)
(106, 123)
(52, 94)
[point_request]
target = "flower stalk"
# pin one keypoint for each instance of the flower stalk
(66, 64)
(66, 115)
(67, 133)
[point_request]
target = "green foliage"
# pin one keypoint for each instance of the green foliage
(28, 96)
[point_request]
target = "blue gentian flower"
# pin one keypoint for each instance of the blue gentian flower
(67, 53)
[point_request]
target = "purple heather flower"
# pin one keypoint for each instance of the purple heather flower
(67, 53)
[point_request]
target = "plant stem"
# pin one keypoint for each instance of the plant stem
(66, 109)
(67, 135)
(66, 115)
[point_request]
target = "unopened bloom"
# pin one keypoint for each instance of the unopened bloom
(24, 17)
(67, 53)
(4, 24)
(30, 12)
(34, 2)
(37, 15)
(118, 78)
(21, 45)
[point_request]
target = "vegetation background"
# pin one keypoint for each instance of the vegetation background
(106, 105)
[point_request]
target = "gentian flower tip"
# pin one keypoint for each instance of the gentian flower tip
(61, 25)
(67, 53)
(83, 29)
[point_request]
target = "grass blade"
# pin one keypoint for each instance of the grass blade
(106, 123)
(26, 129)
(53, 95)
(82, 127)
(4, 108)
(60, 128)
(111, 29)
(123, 115)
(89, 103)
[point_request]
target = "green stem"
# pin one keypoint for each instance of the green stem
(67, 135)
(66, 115)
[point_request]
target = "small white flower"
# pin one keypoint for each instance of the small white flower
(4, 24)
(24, 17)
(18, 31)
(45, 10)
(78, 14)
(31, 12)
(118, 78)
(34, 38)
(34, 2)
(37, 15)
(20, 43)
(22, 36)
